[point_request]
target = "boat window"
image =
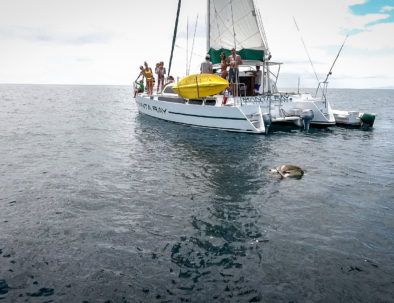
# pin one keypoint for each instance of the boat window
(169, 90)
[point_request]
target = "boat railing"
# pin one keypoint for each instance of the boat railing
(238, 88)
(323, 86)
(262, 99)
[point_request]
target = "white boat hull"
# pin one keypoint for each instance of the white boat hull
(242, 118)
(354, 118)
(285, 109)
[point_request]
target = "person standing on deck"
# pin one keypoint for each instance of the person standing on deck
(157, 73)
(206, 66)
(223, 66)
(235, 61)
(142, 73)
(160, 76)
(257, 80)
(149, 78)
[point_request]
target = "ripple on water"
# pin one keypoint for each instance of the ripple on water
(99, 203)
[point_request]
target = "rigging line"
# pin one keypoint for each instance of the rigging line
(194, 53)
(261, 28)
(251, 36)
(227, 28)
(217, 23)
(247, 15)
(187, 45)
(191, 54)
(232, 18)
(306, 50)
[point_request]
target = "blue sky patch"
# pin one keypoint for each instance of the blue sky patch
(375, 7)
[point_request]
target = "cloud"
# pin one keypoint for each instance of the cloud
(48, 36)
(387, 9)
(356, 24)
(375, 39)
(104, 42)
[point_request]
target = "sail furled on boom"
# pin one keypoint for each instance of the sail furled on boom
(234, 24)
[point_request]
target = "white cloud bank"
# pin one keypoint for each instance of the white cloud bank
(104, 42)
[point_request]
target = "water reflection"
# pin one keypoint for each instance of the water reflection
(228, 234)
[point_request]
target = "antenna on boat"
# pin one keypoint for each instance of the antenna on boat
(306, 50)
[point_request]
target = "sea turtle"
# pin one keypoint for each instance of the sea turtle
(288, 171)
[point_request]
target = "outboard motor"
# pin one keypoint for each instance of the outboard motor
(267, 122)
(307, 116)
(367, 120)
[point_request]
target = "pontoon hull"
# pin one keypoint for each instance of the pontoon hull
(354, 118)
(246, 118)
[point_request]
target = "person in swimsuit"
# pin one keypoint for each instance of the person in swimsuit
(149, 78)
(141, 74)
(160, 76)
(235, 61)
(139, 88)
(157, 73)
(138, 83)
(223, 66)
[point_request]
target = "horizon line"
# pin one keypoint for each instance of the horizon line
(86, 84)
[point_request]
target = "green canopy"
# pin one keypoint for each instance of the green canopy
(246, 54)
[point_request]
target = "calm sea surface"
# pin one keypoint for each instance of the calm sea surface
(101, 204)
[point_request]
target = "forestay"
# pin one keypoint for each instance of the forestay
(234, 24)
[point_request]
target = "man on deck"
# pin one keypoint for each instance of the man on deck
(257, 80)
(235, 61)
(206, 66)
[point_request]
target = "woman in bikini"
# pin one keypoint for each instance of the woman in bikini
(223, 66)
(149, 78)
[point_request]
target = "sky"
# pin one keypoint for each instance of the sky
(103, 42)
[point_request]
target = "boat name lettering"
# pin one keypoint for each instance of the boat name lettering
(260, 99)
(152, 108)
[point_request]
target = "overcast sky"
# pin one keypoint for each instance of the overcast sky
(105, 41)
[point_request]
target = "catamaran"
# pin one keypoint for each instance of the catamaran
(237, 24)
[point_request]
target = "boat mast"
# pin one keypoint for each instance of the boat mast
(174, 36)
(187, 46)
(266, 82)
(209, 25)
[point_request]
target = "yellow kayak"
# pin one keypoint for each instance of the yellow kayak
(200, 85)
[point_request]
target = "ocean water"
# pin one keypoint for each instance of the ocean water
(101, 204)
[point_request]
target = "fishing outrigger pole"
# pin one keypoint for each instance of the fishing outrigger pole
(325, 82)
